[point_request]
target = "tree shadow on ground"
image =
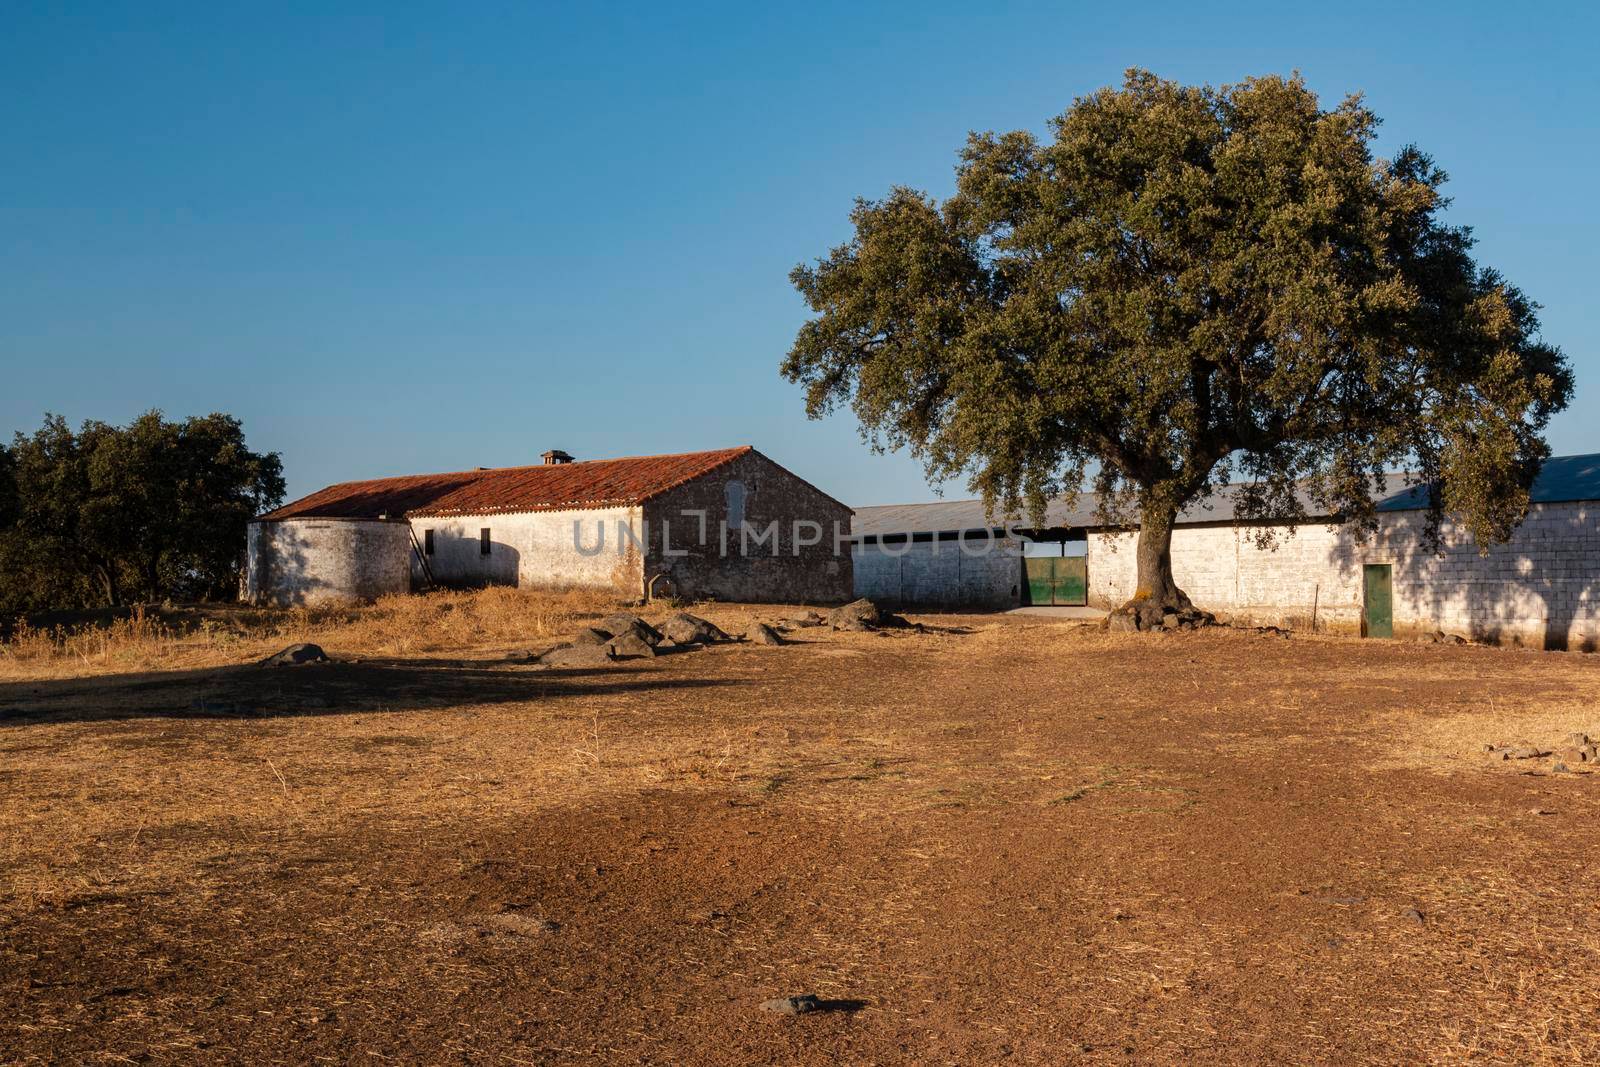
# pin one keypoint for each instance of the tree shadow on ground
(251, 691)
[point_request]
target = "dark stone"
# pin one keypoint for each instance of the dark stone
(296, 655)
(631, 644)
(623, 622)
(804, 1004)
(686, 629)
(1414, 914)
(762, 634)
(591, 635)
(863, 611)
(577, 656)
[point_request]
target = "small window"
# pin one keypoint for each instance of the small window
(427, 542)
(483, 541)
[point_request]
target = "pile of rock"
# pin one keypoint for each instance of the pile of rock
(619, 636)
(1439, 637)
(1126, 621)
(627, 636)
(1578, 750)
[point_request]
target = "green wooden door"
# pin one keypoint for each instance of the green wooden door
(1071, 581)
(1378, 619)
(1058, 580)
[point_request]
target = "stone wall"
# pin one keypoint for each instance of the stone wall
(324, 561)
(534, 549)
(695, 549)
(940, 574)
(1540, 590)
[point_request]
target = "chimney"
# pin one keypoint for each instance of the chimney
(555, 456)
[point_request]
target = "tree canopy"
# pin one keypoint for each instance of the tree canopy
(107, 515)
(1181, 285)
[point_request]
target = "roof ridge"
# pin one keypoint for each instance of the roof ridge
(539, 466)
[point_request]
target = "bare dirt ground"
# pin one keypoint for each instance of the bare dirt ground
(1007, 840)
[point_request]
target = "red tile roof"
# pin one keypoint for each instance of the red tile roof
(556, 487)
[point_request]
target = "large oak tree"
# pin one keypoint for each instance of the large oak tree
(1182, 285)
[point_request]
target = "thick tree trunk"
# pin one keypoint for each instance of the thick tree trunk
(1156, 594)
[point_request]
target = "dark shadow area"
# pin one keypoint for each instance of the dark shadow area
(256, 692)
(1530, 592)
(843, 1006)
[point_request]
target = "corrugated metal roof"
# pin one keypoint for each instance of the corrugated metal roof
(553, 487)
(1563, 478)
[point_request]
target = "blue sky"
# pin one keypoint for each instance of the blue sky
(426, 237)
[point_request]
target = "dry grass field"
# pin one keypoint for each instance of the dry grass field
(1004, 839)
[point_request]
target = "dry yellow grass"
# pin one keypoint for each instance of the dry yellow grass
(213, 635)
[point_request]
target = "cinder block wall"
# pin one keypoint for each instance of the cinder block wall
(1540, 590)
(751, 489)
(535, 549)
(325, 561)
(939, 573)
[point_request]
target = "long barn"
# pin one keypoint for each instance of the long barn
(1542, 589)
(728, 524)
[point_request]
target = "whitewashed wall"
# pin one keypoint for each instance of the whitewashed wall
(325, 561)
(1541, 590)
(532, 548)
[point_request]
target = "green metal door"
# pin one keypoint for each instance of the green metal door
(1040, 574)
(1071, 583)
(1378, 619)
(1058, 580)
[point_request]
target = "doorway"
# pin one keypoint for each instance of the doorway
(1377, 616)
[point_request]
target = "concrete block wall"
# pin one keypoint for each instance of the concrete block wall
(940, 574)
(535, 549)
(1542, 589)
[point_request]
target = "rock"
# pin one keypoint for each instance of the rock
(852, 625)
(862, 610)
(1414, 914)
(810, 618)
(296, 655)
(1561, 768)
(1525, 750)
(577, 656)
(520, 656)
(1170, 620)
(686, 629)
(591, 635)
(762, 634)
(630, 644)
(1119, 622)
(804, 1004)
(624, 622)
(1572, 756)
(1579, 740)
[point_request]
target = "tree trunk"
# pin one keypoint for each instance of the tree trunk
(1156, 594)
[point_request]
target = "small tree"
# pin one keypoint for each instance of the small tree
(1183, 284)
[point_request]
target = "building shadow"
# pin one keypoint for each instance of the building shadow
(257, 692)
